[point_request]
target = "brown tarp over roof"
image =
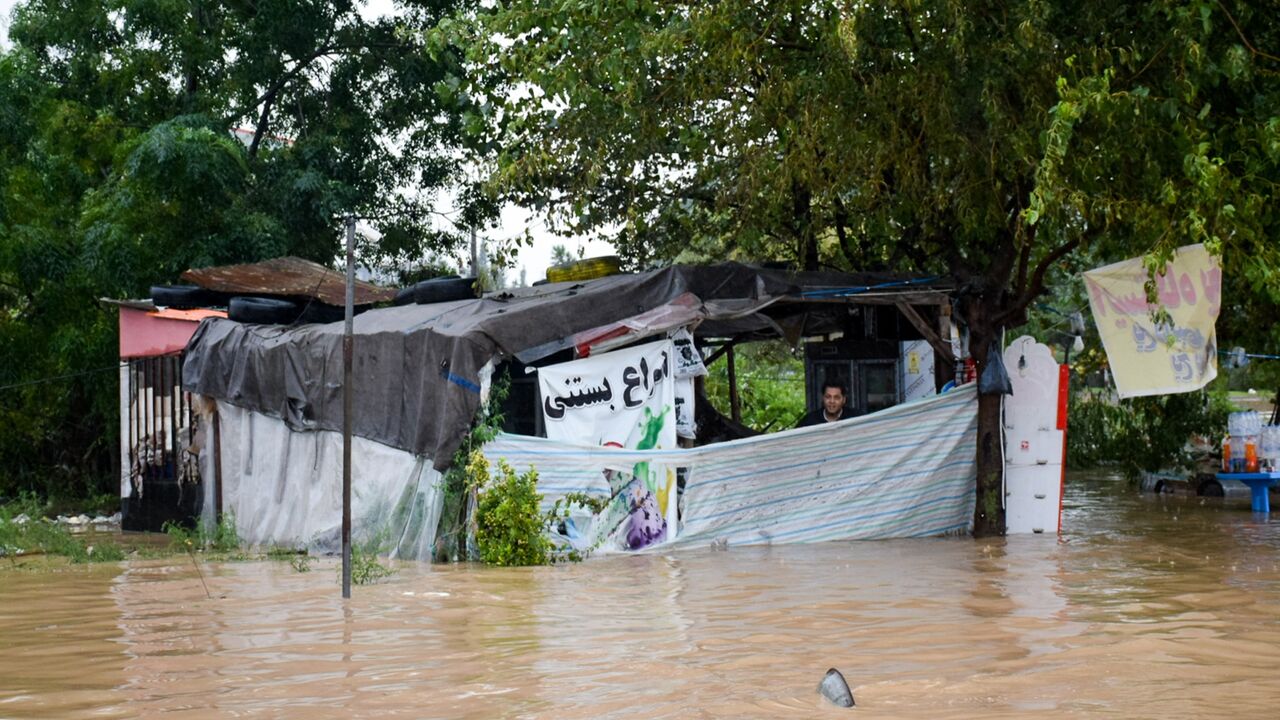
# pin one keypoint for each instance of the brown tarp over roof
(418, 367)
(290, 276)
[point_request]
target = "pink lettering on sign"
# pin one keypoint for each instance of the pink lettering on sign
(1211, 283)
(1167, 286)
(1130, 304)
(1176, 290)
(1187, 289)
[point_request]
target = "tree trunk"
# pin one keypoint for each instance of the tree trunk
(988, 508)
(802, 216)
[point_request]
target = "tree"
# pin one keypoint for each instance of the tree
(140, 138)
(989, 141)
(560, 255)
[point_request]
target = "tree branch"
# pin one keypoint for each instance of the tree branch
(841, 218)
(1024, 259)
(1244, 39)
(326, 49)
(1036, 287)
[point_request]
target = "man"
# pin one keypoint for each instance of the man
(833, 406)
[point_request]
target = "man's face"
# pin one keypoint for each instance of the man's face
(832, 400)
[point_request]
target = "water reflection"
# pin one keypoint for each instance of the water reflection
(1146, 606)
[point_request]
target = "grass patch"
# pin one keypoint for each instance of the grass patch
(23, 532)
(222, 539)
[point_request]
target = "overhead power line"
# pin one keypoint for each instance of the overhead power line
(58, 377)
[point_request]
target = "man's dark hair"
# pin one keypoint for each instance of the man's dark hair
(833, 383)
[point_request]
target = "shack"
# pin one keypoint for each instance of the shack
(422, 372)
(160, 479)
(159, 474)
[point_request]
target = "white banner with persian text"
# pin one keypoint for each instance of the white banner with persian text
(621, 399)
(1174, 357)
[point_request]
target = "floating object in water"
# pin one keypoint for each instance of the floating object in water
(834, 688)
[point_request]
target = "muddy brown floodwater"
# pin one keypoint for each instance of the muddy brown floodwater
(1152, 607)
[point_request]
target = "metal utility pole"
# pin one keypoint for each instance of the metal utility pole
(347, 352)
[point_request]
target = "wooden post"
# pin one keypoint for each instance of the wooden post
(941, 346)
(735, 407)
(347, 353)
(217, 464)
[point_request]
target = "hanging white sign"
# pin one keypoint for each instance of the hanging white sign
(624, 398)
(687, 358)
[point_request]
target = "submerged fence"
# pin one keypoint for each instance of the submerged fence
(903, 472)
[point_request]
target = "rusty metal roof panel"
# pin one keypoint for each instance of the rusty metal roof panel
(287, 276)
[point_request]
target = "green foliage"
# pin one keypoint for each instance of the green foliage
(300, 563)
(452, 535)
(27, 503)
(565, 502)
(967, 139)
(37, 534)
(1142, 434)
(988, 142)
(770, 385)
(366, 569)
(141, 138)
(509, 524)
(222, 538)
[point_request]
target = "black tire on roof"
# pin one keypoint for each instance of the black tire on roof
(185, 296)
(315, 311)
(444, 290)
(404, 296)
(265, 311)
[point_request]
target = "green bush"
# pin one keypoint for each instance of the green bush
(300, 563)
(1142, 434)
(365, 567)
(451, 536)
(509, 523)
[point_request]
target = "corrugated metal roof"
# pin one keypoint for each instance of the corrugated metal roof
(287, 276)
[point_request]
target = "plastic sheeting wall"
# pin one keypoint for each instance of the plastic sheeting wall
(285, 488)
(906, 471)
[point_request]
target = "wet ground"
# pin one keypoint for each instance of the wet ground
(1148, 606)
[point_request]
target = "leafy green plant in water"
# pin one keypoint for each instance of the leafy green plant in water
(450, 544)
(366, 569)
(509, 524)
(300, 563)
(223, 538)
(181, 538)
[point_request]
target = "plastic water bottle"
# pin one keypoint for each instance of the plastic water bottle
(1270, 448)
(1226, 454)
(1252, 441)
(1236, 423)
